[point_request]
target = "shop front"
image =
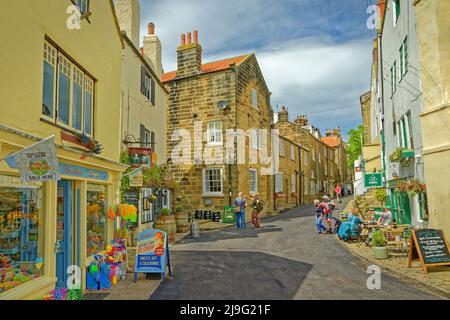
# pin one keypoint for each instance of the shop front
(50, 229)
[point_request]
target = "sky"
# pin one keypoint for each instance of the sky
(314, 55)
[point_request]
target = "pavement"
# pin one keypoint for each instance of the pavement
(285, 259)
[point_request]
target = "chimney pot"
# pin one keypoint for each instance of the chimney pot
(183, 39)
(195, 36)
(189, 38)
(151, 28)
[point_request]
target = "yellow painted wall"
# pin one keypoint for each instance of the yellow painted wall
(96, 47)
(434, 51)
(137, 110)
(372, 157)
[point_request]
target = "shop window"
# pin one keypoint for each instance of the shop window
(21, 232)
(96, 219)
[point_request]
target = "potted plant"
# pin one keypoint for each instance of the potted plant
(165, 221)
(380, 250)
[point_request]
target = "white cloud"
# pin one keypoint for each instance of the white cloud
(305, 68)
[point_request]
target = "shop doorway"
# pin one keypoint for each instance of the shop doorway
(64, 239)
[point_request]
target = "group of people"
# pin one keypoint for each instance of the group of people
(240, 204)
(324, 214)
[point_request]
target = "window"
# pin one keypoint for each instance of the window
(278, 182)
(312, 187)
(256, 139)
(254, 98)
(404, 57)
(147, 85)
(394, 78)
(423, 208)
(282, 148)
(253, 178)
(293, 183)
(22, 229)
(145, 137)
(410, 130)
(212, 181)
(305, 185)
(152, 97)
(71, 104)
(305, 157)
(83, 5)
(214, 132)
(312, 174)
(313, 155)
(96, 219)
(292, 152)
(396, 4)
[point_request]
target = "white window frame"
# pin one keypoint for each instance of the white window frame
(204, 182)
(293, 182)
(254, 98)
(305, 157)
(214, 138)
(292, 152)
(256, 139)
(279, 182)
(255, 181)
(63, 63)
(282, 148)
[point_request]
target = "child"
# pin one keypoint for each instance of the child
(319, 217)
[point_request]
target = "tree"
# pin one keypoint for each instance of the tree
(354, 148)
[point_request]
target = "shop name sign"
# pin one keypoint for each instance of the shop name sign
(373, 180)
(38, 162)
(152, 252)
(82, 172)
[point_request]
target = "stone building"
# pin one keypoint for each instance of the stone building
(434, 50)
(318, 168)
(217, 112)
(333, 139)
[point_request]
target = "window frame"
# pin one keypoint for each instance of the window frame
(282, 148)
(204, 182)
(215, 130)
(278, 182)
(292, 152)
(54, 120)
(255, 172)
(293, 183)
(255, 98)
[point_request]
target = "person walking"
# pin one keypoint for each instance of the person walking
(257, 206)
(327, 212)
(338, 191)
(240, 204)
(319, 217)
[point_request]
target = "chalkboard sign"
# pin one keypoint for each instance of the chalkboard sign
(430, 247)
(132, 197)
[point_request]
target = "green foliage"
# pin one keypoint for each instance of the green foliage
(179, 209)
(165, 212)
(354, 146)
(396, 155)
(381, 195)
(154, 177)
(378, 239)
(125, 181)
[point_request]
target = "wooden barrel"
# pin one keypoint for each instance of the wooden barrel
(182, 221)
(167, 224)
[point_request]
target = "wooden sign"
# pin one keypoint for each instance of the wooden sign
(430, 247)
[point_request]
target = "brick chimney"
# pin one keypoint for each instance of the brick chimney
(153, 49)
(302, 121)
(283, 115)
(189, 59)
(129, 17)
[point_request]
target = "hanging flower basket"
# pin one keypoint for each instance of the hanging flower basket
(84, 141)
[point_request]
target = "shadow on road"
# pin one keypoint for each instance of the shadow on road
(232, 275)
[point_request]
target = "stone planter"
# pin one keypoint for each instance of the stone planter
(380, 252)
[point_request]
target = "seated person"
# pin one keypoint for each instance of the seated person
(386, 218)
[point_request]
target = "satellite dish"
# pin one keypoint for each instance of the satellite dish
(223, 104)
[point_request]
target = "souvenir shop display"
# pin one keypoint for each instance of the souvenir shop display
(96, 222)
(109, 267)
(19, 230)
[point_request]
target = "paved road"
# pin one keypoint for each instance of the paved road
(285, 259)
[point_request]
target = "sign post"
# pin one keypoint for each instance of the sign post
(373, 180)
(430, 247)
(152, 254)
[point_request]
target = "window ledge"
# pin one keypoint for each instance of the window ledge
(213, 195)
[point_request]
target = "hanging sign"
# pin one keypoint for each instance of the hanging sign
(38, 162)
(152, 252)
(373, 180)
(430, 247)
(136, 178)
